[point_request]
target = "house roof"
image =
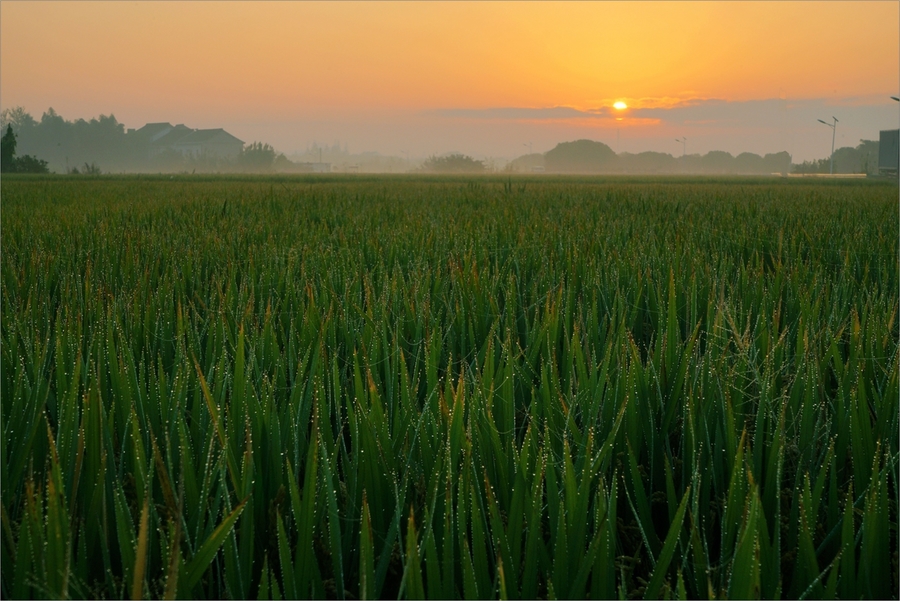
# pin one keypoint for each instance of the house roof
(173, 135)
(153, 130)
(199, 136)
(153, 127)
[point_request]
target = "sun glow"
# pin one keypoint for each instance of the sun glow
(619, 105)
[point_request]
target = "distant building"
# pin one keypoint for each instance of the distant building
(159, 137)
(164, 141)
(153, 131)
(889, 151)
(209, 142)
(165, 137)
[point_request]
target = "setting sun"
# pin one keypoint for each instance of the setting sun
(381, 77)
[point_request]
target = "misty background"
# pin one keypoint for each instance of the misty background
(386, 86)
(103, 144)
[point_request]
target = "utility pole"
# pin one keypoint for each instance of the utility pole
(833, 127)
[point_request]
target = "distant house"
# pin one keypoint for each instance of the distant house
(164, 141)
(209, 142)
(159, 137)
(153, 131)
(165, 137)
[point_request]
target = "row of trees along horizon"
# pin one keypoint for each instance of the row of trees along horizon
(102, 144)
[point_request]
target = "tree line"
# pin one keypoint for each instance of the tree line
(103, 144)
(10, 163)
(589, 156)
(861, 159)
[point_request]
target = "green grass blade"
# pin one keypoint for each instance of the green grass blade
(415, 589)
(208, 550)
(668, 550)
(366, 554)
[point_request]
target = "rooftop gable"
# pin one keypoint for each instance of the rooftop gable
(153, 127)
(201, 136)
(154, 131)
(171, 136)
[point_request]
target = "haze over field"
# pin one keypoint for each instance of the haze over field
(486, 79)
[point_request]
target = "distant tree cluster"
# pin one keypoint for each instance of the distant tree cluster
(100, 141)
(10, 163)
(862, 159)
(84, 146)
(453, 163)
(580, 156)
(257, 157)
(589, 156)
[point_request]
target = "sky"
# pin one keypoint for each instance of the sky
(486, 79)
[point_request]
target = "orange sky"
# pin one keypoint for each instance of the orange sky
(246, 65)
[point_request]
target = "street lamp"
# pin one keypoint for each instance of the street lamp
(683, 141)
(895, 98)
(833, 127)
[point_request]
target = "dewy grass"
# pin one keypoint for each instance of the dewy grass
(383, 387)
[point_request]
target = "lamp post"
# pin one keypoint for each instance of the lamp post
(833, 127)
(683, 141)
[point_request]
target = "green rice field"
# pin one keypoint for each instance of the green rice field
(412, 387)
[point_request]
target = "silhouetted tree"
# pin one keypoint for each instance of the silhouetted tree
(453, 163)
(777, 162)
(29, 164)
(18, 118)
(8, 151)
(257, 157)
(647, 162)
(23, 164)
(587, 156)
(581, 156)
(717, 161)
(862, 159)
(102, 140)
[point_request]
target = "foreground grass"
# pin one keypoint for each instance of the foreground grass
(448, 388)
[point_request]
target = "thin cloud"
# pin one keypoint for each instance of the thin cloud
(869, 112)
(603, 110)
(554, 113)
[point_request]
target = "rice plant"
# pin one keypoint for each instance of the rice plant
(447, 387)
